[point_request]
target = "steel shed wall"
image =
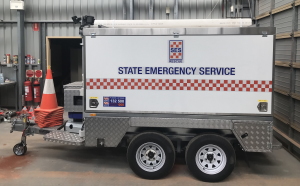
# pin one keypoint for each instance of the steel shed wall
(281, 105)
(207, 9)
(283, 50)
(65, 9)
(265, 22)
(281, 126)
(298, 50)
(282, 79)
(8, 39)
(297, 81)
(286, 19)
(298, 17)
(279, 3)
(283, 21)
(264, 6)
(297, 114)
(112, 9)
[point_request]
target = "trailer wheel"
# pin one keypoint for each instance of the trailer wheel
(151, 155)
(19, 149)
(210, 158)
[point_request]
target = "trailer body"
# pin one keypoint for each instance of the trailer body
(199, 90)
(222, 79)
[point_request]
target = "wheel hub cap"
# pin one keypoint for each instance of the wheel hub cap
(150, 154)
(150, 157)
(211, 159)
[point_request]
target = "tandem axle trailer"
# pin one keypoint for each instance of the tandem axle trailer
(161, 91)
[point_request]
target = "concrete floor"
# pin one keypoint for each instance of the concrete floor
(54, 164)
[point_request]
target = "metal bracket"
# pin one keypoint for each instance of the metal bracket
(264, 33)
(93, 35)
(100, 142)
(176, 34)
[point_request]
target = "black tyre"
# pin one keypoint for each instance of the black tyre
(210, 157)
(19, 149)
(151, 155)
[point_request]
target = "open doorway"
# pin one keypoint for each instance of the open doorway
(65, 57)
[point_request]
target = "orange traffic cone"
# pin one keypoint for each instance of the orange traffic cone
(24, 110)
(33, 116)
(49, 114)
(49, 97)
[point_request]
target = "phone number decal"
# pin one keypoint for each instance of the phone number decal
(114, 101)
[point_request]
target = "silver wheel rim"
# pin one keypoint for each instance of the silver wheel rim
(19, 150)
(150, 157)
(211, 159)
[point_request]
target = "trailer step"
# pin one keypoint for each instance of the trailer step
(64, 137)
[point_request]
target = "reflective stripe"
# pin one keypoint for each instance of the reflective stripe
(49, 87)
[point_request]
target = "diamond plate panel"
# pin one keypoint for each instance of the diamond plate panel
(259, 135)
(64, 138)
(181, 123)
(110, 129)
(69, 100)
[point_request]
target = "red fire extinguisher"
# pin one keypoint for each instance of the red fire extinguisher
(28, 90)
(36, 91)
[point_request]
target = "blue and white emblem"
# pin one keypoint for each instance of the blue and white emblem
(175, 51)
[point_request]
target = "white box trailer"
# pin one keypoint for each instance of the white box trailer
(158, 91)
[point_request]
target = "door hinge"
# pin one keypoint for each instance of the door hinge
(264, 33)
(175, 34)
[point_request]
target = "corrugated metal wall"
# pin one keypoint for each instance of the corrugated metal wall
(112, 9)
(283, 21)
(297, 82)
(298, 49)
(283, 50)
(279, 3)
(282, 78)
(263, 6)
(265, 22)
(281, 105)
(285, 16)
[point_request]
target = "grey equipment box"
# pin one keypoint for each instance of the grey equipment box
(73, 97)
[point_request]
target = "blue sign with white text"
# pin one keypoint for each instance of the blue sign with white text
(114, 101)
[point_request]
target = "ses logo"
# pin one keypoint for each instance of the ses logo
(175, 51)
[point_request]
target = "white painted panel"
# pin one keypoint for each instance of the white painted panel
(105, 54)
